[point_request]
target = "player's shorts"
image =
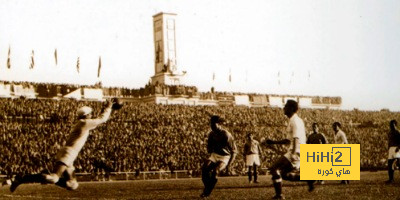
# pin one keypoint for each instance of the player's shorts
(219, 158)
(252, 159)
(393, 154)
(67, 155)
(294, 159)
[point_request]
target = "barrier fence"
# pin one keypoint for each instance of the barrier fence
(145, 175)
(142, 175)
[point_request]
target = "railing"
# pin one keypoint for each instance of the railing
(147, 175)
(143, 175)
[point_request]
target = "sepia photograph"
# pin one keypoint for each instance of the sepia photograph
(199, 99)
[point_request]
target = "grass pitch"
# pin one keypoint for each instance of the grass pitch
(371, 186)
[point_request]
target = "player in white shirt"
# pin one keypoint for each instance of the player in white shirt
(340, 138)
(63, 174)
(287, 167)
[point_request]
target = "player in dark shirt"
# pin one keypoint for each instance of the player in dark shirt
(222, 149)
(316, 137)
(394, 145)
(251, 155)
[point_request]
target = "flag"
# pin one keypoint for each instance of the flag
(98, 69)
(9, 58)
(213, 77)
(230, 75)
(291, 78)
(309, 74)
(55, 56)
(77, 65)
(32, 60)
(279, 77)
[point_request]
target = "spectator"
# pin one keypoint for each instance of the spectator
(144, 136)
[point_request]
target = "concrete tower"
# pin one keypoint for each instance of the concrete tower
(165, 62)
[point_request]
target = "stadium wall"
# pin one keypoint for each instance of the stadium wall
(242, 100)
(93, 94)
(276, 101)
(305, 102)
(5, 90)
(24, 91)
(76, 94)
(177, 95)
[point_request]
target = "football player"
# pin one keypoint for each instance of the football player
(63, 174)
(251, 155)
(287, 166)
(317, 138)
(340, 138)
(394, 145)
(222, 149)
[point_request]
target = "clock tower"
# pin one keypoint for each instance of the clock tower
(165, 62)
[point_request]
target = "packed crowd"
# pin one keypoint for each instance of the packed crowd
(50, 90)
(165, 137)
(150, 89)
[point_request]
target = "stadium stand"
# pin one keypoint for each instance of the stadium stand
(149, 137)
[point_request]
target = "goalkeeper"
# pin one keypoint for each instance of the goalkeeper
(63, 174)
